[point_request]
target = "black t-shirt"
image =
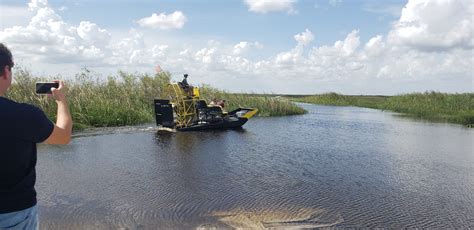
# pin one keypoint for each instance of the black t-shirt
(21, 127)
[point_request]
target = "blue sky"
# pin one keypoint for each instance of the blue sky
(231, 20)
(285, 46)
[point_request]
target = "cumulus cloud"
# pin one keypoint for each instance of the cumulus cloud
(205, 55)
(159, 50)
(294, 57)
(350, 44)
(240, 47)
(265, 6)
(91, 34)
(403, 55)
(163, 21)
(375, 46)
(49, 38)
(243, 47)
(435, 25)
(36, 4)
(346, 60)
(133, 51)
(304, 38)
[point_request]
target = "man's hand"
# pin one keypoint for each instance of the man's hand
(58, 93)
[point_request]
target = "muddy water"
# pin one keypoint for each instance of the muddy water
(336, 166)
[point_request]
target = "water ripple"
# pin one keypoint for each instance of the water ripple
(334, 167)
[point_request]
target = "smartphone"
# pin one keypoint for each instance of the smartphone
(45, 87)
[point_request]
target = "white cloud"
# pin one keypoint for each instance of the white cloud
(205, 55)
(384, 8)
(386, 63)
(335, 3)
(36, 4)
(287, 59)
(435, 25)
(92, 52)
(175, 20)
(45, 18)
(265, 6)
(129, 51)
(243, 47)
(159, 51)
(49, 39)
(184, 52)
(350, 44)
(93, 34)
(239, 48)
(375, 46)
(304, 38)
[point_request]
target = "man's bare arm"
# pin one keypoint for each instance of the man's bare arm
(63, 128)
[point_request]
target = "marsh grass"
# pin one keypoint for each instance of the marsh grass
(435, 106)
(266, 104)
(455, 108)
(127, 99)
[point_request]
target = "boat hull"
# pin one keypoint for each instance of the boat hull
(222, 124)
(201, 117)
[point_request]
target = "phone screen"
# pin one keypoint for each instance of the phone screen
(45, 87)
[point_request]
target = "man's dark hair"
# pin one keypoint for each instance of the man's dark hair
(6, 58)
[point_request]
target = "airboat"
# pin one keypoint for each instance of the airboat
(184, 110)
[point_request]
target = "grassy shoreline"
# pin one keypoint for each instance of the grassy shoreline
(433, 106)
(127, 99)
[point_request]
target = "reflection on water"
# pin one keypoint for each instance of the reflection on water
(275, 219)
(336, 166)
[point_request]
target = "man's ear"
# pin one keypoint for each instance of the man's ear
(5, 72)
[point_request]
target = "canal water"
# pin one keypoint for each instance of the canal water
(333, 167)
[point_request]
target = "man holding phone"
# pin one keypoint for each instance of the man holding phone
(22, 126)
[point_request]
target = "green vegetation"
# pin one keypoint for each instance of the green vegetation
(127, 99)
(435, 106)
(341, 100)
(267, 105)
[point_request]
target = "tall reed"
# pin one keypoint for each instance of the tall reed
(267, 105)
(127, 99)
(436, 106)
(456, 108)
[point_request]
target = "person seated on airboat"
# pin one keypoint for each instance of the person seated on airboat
(185, 86)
